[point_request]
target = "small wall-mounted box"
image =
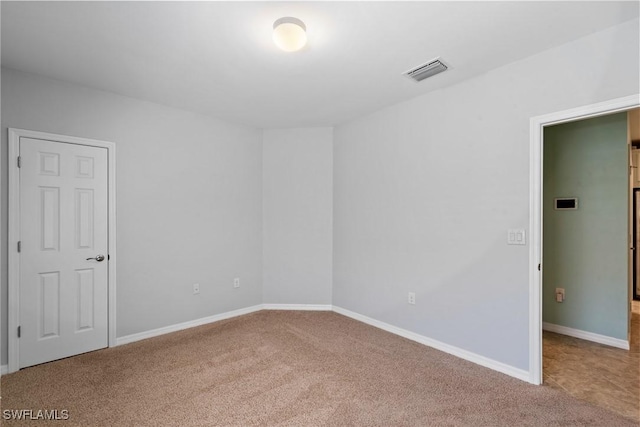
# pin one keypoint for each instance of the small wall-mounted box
(565, 203)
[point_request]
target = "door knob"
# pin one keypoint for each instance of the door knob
(97, 258)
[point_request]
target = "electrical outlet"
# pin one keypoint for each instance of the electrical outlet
(196, 288)
(559, 294)
(236, 282)
(412, 298)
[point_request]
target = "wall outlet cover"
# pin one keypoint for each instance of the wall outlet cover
(411, 298)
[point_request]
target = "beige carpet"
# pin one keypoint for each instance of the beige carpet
(287, 368)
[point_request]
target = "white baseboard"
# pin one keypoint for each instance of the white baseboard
(299, 307)
(217, 317)
(4, 369)
(455, 351)
(190, 324)
(584, 335)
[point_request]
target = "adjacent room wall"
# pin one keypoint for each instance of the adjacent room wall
(585, 250)
(189, 199)
(298, 210)
(425, 191)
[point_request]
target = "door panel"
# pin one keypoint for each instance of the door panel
(63, 227)
(49, 304)
(84, 218)
(86, 288)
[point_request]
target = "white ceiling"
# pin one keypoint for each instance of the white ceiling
(217, 58)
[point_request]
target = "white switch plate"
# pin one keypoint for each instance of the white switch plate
(196, 288)
(412, 298)
(236, 282)
(516, 236)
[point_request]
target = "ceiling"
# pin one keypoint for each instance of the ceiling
(217, 58)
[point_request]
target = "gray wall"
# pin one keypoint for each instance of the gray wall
(189, 199)
(425, 191)
(298, 212)
(585, 250)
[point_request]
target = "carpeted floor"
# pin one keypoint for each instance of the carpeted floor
(287, 368)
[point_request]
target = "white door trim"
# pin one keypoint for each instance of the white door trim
(535, 212)
(14, 233)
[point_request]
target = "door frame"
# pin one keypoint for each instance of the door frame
(636, 251)
(14, 233)
(536, 134)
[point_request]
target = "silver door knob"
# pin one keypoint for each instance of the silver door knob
(97, 258)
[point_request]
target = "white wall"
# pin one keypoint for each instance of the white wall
(297, 209)
(421, 199)
(425, 191)
(189, 199)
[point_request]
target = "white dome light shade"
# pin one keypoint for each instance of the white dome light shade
(289, 34)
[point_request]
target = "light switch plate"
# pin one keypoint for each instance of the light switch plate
(516, 236)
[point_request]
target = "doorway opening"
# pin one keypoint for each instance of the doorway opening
(634, 137)
(586, 258)
(537, 125)
(568, 219)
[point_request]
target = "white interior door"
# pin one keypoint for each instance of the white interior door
(63, 232)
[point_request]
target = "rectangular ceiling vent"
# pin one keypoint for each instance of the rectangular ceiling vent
(429, 69)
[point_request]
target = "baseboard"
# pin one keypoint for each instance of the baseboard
(454, 351)
(190, 324)
(584, 335)
(4, 369)
(300, 307)
(217, 317)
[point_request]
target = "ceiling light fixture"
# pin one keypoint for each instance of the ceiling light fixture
(289, 34)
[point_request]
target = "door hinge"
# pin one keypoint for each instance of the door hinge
(19, 331)
(538, 267)
(19, 246)
(19, 161)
